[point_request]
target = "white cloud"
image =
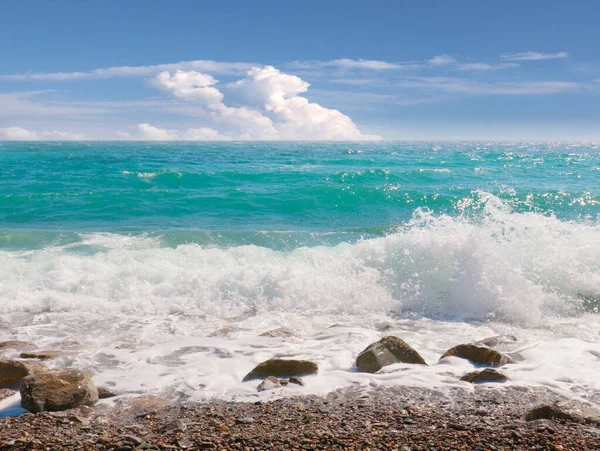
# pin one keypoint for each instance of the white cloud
(204, 134)
(471, 87)
(441, 60)
(351, 64)
(152, 133)
(136, 71)
(533, 56)
(271, 106)
(21, 134)
(485, 66)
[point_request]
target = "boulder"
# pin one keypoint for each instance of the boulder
(42, 355)
(297, 381)
(281, 368)
(105, 392)
(57, 390)
(17, 345)
(270, 383)
(487, 375)
(387, 351)
(12, 371)
(480, 355)
(564, 410)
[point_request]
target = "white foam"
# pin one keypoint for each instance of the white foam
(439, 281)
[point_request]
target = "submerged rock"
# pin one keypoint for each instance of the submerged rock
(105, 392)
(387, 351)
(142, 405)
(270, 383)
(12, 371)
(564, 410)
(480, 355)
(487, 375)
(281, 368)
(282, 332)
(42, 355)
(57, 390)
(496, 340)
(17, 345)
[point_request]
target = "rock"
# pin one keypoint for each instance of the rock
(57, 390)
(270, 383)
(281, 368)
(226, 331)
(12, 371)
(387, 351)
(564, 410)
(143, 405)
(185, 443)
(490, 342)
(297, 381)
(105, 392)
(487, 375)
(244, 420)
(17, 345)
(282, 332)
(480, 355)
(6, 393)
(42, 355)
(126, 346)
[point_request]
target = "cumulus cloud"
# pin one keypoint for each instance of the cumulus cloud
(271, 106)
(21, 134)
(150, 132)
(534, 56)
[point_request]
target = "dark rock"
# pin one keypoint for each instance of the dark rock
(42, 355)
(297, 381)
(57, 390)
(387, 351)
(487, 375)
(12, 371)
(270, 383)
(564, 410)
(105, 392)
(281, 368)
(17, 345)
(480, 355)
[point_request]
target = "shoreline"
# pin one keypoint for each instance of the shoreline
(403, 418)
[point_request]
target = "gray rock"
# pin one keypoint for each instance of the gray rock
(565, 410)
(480, 355)
(487, 375)
(281, 368)
(57, 390)
(387, 351)
(12, 371)
(270, 383)
(105, 392)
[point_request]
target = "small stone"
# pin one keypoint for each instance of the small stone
(123, 448)
(244, 420)
(281, 368)
(297, 381)
(408, 421)
(185, 443)
(57, 390)
(146, 446)
(480, 355)
(487, 375)
(270, 383)
(175, 426)
(105, 392)
(12, 371)
(387, 351)
(42, 355)
(132, 439)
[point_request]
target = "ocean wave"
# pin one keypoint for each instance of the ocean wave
(497, 265)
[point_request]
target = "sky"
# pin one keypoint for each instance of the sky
(309, 70)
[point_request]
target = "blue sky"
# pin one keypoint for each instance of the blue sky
(309, 70)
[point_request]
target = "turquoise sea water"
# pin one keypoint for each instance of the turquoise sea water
(278, 195)
(189, 252)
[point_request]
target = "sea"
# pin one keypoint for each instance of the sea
(158, 266)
